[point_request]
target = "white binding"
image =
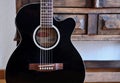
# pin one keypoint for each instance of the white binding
(34, 39)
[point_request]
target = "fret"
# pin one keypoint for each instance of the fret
(46, 12)
(46, 25)
(46, 19)
(45, 16)
(46, 4)
(46, 1)
(46, 7)
(46, 22)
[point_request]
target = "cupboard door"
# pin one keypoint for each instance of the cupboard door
(81, 22)
(107, 3)
(72, 3)
(64, 3)
(109, 24)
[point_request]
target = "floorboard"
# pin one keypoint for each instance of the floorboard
(2, 81)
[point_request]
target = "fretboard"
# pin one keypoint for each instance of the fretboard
(46, 13)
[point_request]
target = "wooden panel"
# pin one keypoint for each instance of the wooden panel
(69, 3)
(2, 81)
(21, 3)
(95, 37)
(108, 77)
(75, 4)
(109, 24)
(72, 3)
(87, 10)
(2, 74)
(92, 24)
(18, 4)
(81, 22)
(103, 69)
(24, 2)
(94, 76)
(102, 64)
(107, 3)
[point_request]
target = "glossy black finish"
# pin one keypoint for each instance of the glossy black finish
(17, 70)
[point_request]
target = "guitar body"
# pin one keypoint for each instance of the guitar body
(17, 70)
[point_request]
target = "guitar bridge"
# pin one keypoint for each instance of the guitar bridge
(46, 67)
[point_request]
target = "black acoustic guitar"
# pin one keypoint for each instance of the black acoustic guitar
(45, 53)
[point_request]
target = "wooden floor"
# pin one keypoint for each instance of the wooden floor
(2, 81)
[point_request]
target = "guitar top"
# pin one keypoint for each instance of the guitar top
(45, 53)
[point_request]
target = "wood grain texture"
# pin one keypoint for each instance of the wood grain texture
(2, 81)
(69, 3)
(18, 4)
(103, 70)
(65, 8)
(79, 3)
(72, 9)
(103, 64)
(87, 10)
(101, 76)
(112, 24)
(110, 3)
(92, 24)
(63, 3)
(24, 2)
(2, 74)
(95, 37)
(109, 24)
(107, 3)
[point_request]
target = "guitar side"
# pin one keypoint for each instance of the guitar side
(17, 70)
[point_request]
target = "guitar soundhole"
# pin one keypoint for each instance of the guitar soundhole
(46, 38)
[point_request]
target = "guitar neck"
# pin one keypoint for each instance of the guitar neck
(46, 13)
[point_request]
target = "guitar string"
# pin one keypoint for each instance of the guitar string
(49, 27)
(49, 32)
(52, 23)
(45, 32)
(45, 56)
(40, 34)
(47, 36)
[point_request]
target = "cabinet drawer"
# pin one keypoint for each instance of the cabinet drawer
(109, 24)
(81, 22)
(70, 3)
(107, 3)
